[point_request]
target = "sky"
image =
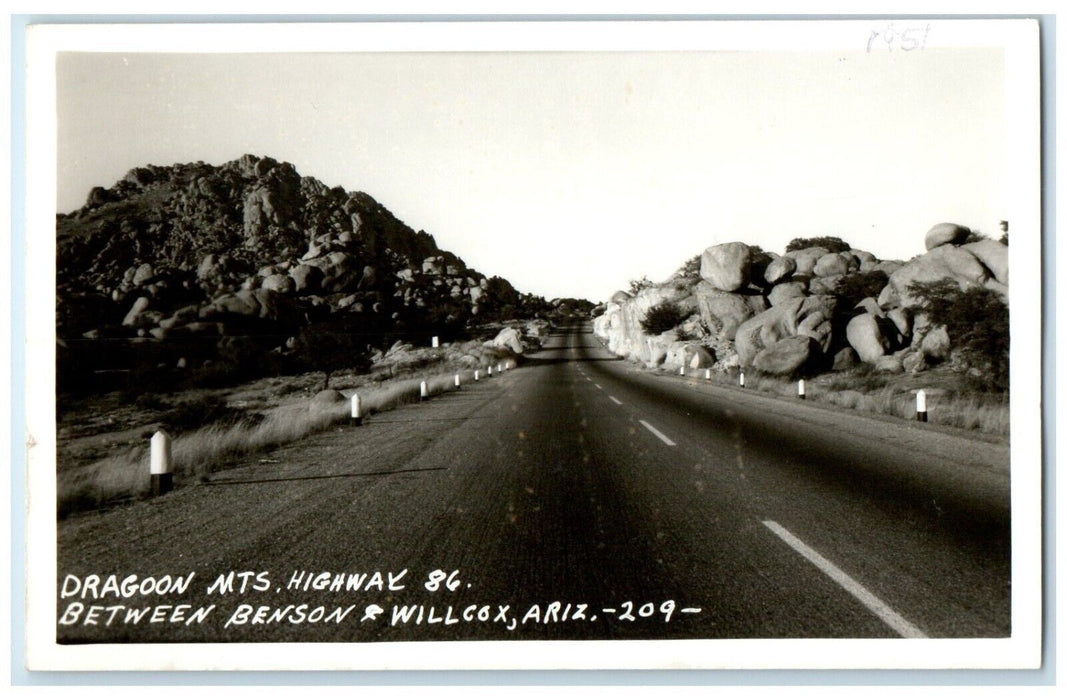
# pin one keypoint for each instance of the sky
(570, 174)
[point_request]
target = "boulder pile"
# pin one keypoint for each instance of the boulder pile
(799, 312)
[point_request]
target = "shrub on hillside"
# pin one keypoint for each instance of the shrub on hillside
(976, 320)
(856, 286)
(637, 285)
(831, 243)
(662, 318)
(690, 268)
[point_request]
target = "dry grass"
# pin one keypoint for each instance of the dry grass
(208, 449)
(948, 403)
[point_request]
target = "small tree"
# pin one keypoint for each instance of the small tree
(662, 317)
(976, 321)
(332, 345)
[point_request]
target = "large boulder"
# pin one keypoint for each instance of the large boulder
(834, 264)
(870, 306)
(935, 344)
(806, 258)
(787, 290)
(863, 257)
(136, 311)
(656, 348)
(890, 364)
(901, 318)
(143, 274)
(726, 266)
(780, 270)
(943, 262)
(945, 234)
(787, 356)
(845, 359)
(688, 355)
(992, 254)
(824, 285)
(725, 311)
(865, 334)
(886, 266)
(307, 278)
(283, 284)
(258, 303)
(809, 316)
(509, 338)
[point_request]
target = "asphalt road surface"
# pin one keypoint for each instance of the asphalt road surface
(575, 497)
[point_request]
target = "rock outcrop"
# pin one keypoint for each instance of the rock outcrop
(229, 265)
(253, 240)
(800, 312)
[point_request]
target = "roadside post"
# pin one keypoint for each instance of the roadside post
(424, 393)
(357, 410)
(741, 379)
(920, 405)
(800, 390)
(162, 466)
(436, 342)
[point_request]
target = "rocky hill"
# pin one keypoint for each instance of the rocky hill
(186, 255)
(821, 305)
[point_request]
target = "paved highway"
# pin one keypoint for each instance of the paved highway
(576, 497)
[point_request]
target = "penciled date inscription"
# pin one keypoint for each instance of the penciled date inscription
(237, 599)
(896, 36)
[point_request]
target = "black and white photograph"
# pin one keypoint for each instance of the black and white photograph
(530, 345)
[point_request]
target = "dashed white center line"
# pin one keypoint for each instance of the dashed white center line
(614, 399)
(870, 600)
(657, 433)
(597, 386)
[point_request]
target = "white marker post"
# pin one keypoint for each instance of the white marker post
(741, 379)
(920, 405)
(681, 371)
(707, 374)
(499, 368)
(161, 467)
(476, 375)
(357, 410)
(457, 381)
(424, 393)
(489, 371)
(436, 342)
(800, 390)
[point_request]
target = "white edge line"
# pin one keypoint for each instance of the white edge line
(614, 399)
(657, 433)
(871, 601)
